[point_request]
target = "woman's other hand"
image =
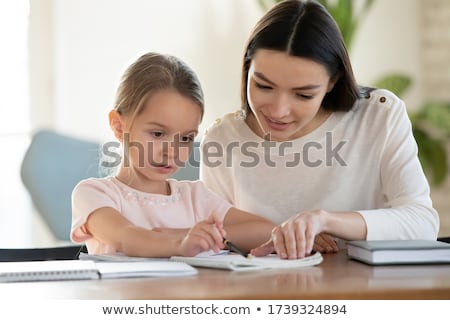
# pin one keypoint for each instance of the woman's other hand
(298, 236)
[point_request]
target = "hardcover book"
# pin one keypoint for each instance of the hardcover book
(380, 252)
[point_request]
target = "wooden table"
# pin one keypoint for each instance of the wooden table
(337, 277)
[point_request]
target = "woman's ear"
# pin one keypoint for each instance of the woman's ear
(333, 81)
(117, 124)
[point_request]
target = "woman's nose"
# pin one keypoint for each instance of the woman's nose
(280, 107)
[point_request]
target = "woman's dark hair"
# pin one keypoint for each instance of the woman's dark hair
(305, 29)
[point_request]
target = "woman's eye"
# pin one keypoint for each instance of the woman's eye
(262, 86)
(304, 96)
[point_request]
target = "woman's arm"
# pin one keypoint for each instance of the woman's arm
(110, 227)
(407, 212)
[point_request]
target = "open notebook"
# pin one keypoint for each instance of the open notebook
(224, 259)
(237, 262)
(90, 270)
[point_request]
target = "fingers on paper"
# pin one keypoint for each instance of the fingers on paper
(264, 249)
(294, 239)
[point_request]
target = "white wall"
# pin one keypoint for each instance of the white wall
(389, 40)
(95, 40)
(92, 41)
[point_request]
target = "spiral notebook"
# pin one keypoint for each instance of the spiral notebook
(48, 270)
(89, 270)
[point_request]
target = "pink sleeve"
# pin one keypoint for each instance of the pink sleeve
(206, 202)
(88, 196)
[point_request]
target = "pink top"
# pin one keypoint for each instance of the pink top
(189, 203)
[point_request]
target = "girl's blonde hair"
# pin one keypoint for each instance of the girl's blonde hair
(153, 72)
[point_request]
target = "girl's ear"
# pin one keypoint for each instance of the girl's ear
(117, 124)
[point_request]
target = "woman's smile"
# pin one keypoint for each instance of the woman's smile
(277, 125)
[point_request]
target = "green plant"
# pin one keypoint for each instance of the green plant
(431, 123)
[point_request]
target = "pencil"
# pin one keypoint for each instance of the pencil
(233, 247)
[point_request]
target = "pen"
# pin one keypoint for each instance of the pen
(233, 248)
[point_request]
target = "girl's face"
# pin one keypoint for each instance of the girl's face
(160, 139)
(285, 94)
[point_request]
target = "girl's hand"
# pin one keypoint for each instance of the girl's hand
(205, 235)
(295, 238)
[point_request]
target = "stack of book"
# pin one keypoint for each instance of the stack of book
(399, 251)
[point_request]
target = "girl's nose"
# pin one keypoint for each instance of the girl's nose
(169, 149)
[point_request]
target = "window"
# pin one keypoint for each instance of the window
(15, 208)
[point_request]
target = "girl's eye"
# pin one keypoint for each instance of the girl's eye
(157, 134)
(187, 139)
(262, 86)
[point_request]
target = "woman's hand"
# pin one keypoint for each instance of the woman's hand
(205, 235)
(324, 243)
(298, 236)
(294, 238)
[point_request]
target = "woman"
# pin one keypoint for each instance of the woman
(311, 150)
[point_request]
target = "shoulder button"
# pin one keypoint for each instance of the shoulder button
(383, 99)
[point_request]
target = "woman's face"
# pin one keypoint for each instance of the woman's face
(285, 94)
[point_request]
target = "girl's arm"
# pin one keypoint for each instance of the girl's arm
(246, 230)
(110, 227)
(180, 232)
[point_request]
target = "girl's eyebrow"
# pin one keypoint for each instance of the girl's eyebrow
(194, 131)
(305, 87)
(156, 124)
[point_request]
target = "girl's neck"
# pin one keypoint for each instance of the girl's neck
(141, 183)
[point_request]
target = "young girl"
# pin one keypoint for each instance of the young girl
(140, 212)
